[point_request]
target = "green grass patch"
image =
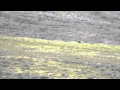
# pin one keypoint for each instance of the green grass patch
(47, 57)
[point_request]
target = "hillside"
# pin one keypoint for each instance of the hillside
(38, 58)
(87, 26)
(45, 45)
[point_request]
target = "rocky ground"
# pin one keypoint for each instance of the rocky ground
(86, 26)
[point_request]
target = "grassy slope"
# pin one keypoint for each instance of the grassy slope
(54, 59)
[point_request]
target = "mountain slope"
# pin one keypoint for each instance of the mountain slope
(87, 26)
(48, 44)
